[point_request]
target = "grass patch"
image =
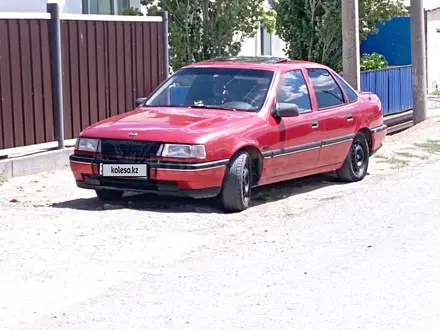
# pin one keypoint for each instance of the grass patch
(2, 178)
(330, 198)
(410, 155)
(398, 163)
(380, 156)
(432, 146)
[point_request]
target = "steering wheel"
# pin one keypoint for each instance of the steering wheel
(251, 101)
(258, 94)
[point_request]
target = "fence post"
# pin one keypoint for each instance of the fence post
(53, 8)
(165, 45)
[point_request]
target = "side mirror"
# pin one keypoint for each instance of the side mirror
(285, 110)
(140, 100)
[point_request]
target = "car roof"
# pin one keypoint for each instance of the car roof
(270, 63)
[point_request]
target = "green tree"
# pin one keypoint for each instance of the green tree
(203, 29)
(312, 29)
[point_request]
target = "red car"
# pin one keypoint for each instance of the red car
(222, 127)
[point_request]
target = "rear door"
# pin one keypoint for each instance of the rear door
(295, 141)
(335, 116)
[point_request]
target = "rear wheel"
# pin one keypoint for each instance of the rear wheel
(356, 164)
(237, 185)
(106, 195)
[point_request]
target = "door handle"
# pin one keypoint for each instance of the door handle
(315, 124)
(349, 116)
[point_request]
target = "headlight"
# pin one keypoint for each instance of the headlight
(84, 144)
(183, 151)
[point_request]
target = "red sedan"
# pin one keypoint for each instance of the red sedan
(222, 127)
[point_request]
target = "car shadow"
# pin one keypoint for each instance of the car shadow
(150, 202)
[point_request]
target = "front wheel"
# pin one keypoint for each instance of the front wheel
(237, 185)
(356, 164)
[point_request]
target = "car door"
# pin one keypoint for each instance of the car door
(335, 117)
(294, 145)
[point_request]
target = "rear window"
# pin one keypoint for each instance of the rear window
(351, 94)
(328, 94)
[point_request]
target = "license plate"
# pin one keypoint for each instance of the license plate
(132, 170)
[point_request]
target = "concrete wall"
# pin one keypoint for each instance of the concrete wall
(433, 51)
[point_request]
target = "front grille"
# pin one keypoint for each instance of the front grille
(127, 150)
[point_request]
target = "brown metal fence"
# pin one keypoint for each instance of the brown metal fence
(106, 65)
(26, 112)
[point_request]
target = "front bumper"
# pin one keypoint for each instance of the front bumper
(196, 180)
(152, 187)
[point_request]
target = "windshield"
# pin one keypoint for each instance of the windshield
(221, 88)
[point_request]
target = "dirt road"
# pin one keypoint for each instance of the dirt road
(309, 254)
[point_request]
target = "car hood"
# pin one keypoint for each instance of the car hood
(175, 125)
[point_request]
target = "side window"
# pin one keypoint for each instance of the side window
(293, 89)
(328, 94)
(352, 96)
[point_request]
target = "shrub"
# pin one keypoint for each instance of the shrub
(373, 61)
(132, 12)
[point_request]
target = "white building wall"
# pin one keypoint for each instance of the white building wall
(433, 49)
(23, 6)
(72, 7)
(252, 46)
(273, 44)
(39, 6)
(278, 46)
(135, 3)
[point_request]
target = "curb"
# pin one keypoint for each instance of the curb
(399, 122)
(35, 164)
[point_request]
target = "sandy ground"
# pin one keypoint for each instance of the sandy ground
(412, 147)
(68, 261)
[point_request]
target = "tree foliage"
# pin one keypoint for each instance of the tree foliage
(203, 29)
(312, 29)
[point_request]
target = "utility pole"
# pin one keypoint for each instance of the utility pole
(418, 60)
(350, 43)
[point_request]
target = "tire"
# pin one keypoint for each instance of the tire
(237, 185)
(106, 195)
(356, 164)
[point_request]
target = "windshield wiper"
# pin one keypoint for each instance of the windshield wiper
(211, 107)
